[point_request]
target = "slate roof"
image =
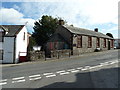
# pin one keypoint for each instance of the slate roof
(13, 30)
(82, 31)
(56, 37)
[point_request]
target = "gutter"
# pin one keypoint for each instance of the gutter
(14, 50)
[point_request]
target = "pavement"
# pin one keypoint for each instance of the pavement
(50, 60)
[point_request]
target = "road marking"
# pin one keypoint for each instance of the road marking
(80, 68)
(3, 82)
(18, 81)
(60, 71)
(47, 73)
(75, 71)
(83, 69)
(70, 69)
(18, 78)
(51, 75)
(97, 66)
(35, 78)
(64, 73)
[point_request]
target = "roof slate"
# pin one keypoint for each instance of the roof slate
(13, 29)
(82, 31)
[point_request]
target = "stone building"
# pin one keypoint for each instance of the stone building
(79, 40)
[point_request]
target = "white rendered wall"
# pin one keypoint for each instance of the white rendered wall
(8, 47)
(21, 45)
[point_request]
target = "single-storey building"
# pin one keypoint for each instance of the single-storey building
(13, 43)
(79, 40)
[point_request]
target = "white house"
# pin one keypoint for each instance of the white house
(13, 43)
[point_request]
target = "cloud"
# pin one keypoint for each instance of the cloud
(12, 16)
(80, 13)
(77, 12)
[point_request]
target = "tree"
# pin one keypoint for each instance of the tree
(31, 43)
(109, 34)
(44, 28)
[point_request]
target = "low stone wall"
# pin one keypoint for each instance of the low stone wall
(60, 53)
(33, 56)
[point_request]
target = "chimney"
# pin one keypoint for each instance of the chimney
(61, 22)
(96, 29)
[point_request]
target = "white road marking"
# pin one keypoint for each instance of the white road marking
(64, 73)
(70, 69)
(51, 75)
(3, 82)
(18, 78)
(75, 71)
(18, 81)
(83, 69)
(79, 67)
(47, 73)
(35, 78)
(60, 71)
(112, 62)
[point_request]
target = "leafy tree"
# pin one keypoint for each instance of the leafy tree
(109, 34)
(44, 28)
(31, 43)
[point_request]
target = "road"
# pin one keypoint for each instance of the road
(94, 70)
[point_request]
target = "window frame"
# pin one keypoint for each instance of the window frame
(112, 43)
(89, 41)
(24, 36)
(104, 43)
(97, 42)
(79, 41)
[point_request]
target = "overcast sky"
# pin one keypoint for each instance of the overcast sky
(88, 14)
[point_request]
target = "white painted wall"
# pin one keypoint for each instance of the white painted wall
(8, 48)
(21, 45)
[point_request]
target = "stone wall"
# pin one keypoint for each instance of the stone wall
(85, 49)
(33, 56)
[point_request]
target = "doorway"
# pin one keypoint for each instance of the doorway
(108, 45)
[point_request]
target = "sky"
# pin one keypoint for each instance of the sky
(88, 14)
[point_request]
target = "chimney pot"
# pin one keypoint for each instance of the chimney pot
(96, 29)
(61, 22)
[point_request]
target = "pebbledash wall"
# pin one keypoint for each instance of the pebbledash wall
(85, 48)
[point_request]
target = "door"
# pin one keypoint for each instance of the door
(108, 45)
(8, 56)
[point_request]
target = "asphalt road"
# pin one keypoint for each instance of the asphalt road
(86, 71)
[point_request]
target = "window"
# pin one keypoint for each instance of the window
(79, 41)
(89, 42)
(24, 36)
(98, 42)
(1, 54)
(112, 43)
(104, 43)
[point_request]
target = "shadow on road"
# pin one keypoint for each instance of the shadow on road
(104, 78)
